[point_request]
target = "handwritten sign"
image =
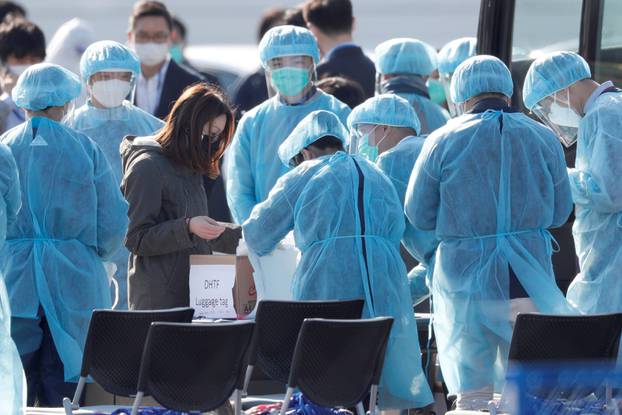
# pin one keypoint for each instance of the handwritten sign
(211, 287)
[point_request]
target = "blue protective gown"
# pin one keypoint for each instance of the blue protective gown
(431, 115)
(107, 127)
(73, 217)
(254, 164)
(362, 221)
(597, 193)
(397, 164)
(12, 398)
(490, 185)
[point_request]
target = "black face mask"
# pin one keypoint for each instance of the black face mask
(210, 143)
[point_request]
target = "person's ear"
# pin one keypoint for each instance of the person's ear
(307, 154)
(130, 36)
(354, 24)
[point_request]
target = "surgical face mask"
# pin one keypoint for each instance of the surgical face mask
(365, 148)
(564, 116)
(112, 92)
(562, 119)
(177, 53)
(290, 81)
(151, 53)
(17, 70)
(436, 91)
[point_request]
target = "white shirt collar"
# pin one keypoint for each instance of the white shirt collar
(597, 92)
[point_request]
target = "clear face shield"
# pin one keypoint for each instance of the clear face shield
(555, 111)
(109, 88)
(445, 79)
(365, 140)
(292, 77)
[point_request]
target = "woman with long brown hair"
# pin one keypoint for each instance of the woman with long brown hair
(163, 184)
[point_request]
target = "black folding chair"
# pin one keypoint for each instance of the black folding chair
(338, 362)
(540, 337)
(277, 326)
(549, 339)
(194, 367)
(114, 347)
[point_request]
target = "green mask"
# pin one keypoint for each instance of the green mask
(366, 150)
(290, 81)
(176, 53)
(436, 91)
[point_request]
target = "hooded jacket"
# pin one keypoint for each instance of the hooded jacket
(162, 194)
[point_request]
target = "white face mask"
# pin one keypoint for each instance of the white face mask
(151, 53)
(563, 116)
(17, 70)
(111, 93)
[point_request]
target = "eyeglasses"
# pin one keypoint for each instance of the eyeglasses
(158, 37)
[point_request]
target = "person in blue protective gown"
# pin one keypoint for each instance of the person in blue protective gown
(12, 382)
(490, 183)
(109, 71)
(403, 66)
(559, 90)
(289, 55)
(351, 249)
(73, 218)
(387, 125)
(449, 57)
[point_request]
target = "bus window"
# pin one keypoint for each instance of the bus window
(608, 63)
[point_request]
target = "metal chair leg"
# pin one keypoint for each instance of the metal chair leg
(288, 396)
(137, 401)
(237, 402)
(247, 379)
(373, 398)
(360, 410)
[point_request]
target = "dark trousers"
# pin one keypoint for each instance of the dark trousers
(44, 373)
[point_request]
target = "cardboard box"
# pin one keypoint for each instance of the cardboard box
(213, 271)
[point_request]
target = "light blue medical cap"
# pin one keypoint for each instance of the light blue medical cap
(456, 52)
(551, 73)
(385, 109)
(314, 126)
(405, 56)
(288, 41)
(45, 85)
(478, 75)
(106, 55)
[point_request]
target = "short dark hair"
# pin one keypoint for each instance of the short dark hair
(329, 16)
(345, 90)
(294, 17)
(270, 18)
(9, 9)
(148, 8)
(21, 38)
(328, 141)
(179, 27)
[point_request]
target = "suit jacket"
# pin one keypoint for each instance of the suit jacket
(176, 79)
(350, 62)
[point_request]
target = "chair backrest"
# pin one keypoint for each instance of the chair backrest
(278, 325)
(115, 343)
(337, 361)
(194, 367)
(539, 337)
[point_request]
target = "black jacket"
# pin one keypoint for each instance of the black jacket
(350, 62)
(176, 79)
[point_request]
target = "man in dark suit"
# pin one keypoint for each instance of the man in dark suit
(332, 21)
(162, 80)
